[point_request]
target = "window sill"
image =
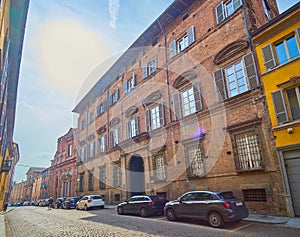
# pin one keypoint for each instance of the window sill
(286, 126)
(279, 66)
(250, 170)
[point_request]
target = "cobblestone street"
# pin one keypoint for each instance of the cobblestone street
(36, 221)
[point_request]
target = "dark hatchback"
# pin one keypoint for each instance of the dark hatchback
(58, 202)
(142, 205)
(217, 208)
(70, 202)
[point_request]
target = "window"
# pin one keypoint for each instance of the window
(248, 151)
(113, 98)
(226, 8)
(236, 78)
(187, 101)
(129, 84)
(293, 103)
(117, 176)
(70, 149)
(283, 51)
(101, 108)
(83, 124)
(159, 167)
(91, 118)
(255, 195)
(82, 153)
(91, 149)
(114, 136)
(91, 181)
(133, 127)
(155, 117)
(102, 184)
(149, 68)
(183, 43)
(194, 161)
(102, 146)
(117, 197)
(81, 180)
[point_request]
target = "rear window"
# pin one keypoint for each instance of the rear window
(157, 198)
(227, 195)
(96, 197)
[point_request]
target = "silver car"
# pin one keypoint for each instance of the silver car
(90, 201)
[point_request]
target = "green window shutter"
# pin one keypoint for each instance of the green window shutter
(145, 71)
(220, 13)
(172, 46)
(250, 70)
(197, 94)
(269, 57)
(125, 84)
(279, 106)
(177, 106)
(298, 34)
(191, 35)
(220, 85)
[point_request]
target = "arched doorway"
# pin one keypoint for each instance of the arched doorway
(137, 179)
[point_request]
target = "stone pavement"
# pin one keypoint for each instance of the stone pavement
(285, 221)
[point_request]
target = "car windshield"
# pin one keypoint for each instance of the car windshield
(227, 195)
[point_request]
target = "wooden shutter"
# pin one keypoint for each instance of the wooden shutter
(279, 107)
(145, 71)
(117, 95)
(220, 85)
(298, 34)
(220, 13)
(161, 114)
(110, 97)
(137, 127)
(98, 110)
(172, 48)
(197, 95)
(268, 57)
(250, 70)
(128, 133)
(191, 35)
(133, 79)
(125, 85)
(148, 120)
(119, 135)
(177, 106)
(111, 144)
(104, 104)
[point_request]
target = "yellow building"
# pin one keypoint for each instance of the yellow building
(278, 50)
(13, 15)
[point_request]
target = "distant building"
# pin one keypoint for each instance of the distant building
(32, 175)
(13, 14)
(62, 172)
(18, 192)
(278, 48)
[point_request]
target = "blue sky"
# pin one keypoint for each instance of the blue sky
(65, 41)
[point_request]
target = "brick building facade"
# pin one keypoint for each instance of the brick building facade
(62, 172)
(183, 109)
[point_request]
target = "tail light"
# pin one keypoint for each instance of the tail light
(151, 203)
(227, 205)
(89, 200)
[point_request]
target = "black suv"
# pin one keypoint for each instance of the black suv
(215, 207)
(142, 205)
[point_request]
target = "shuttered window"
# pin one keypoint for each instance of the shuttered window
(114, 136)
(149, 68)
(226, 8)
(177, 46)
(194, 161)
(155, 117)
(187, 101)
(280, 108)
(159, 167)
(236, 78)
(133, 127)
(102, 178)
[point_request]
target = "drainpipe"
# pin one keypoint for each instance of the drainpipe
(246, 25)
(167, 70)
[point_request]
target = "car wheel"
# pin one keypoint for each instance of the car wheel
(120, 211)
(86, 208)
(143, 212)
(171, 216)
(215, 219)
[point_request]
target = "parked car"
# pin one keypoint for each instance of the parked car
(59, 202)
(70, 202)
(142, 205)
(217, 208)
(90, 201)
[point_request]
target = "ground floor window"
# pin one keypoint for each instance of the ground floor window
(194, 160)
(255, 195)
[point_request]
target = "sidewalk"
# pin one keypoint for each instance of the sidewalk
(2, 225)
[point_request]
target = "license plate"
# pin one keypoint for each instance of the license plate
(238, 204)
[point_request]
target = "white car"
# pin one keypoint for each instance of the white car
(90, 201)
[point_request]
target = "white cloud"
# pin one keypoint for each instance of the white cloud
(114, 7)
(66, 51)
